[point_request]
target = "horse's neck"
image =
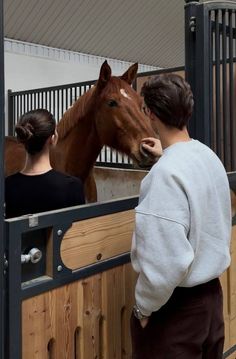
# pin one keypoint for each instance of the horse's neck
(76, 153)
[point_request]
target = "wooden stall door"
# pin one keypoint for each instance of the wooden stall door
(88, 319)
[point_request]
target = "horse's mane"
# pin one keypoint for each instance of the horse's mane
(71, 117)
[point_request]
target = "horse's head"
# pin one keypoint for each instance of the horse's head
(120, 121)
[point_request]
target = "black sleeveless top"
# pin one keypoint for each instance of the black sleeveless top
(52, 190)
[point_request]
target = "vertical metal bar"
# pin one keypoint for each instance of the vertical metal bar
(58, 108)
(17, 109)
(111, 155)
(10, 113)
(14, 280)
(62, 102)
(2, 227)
(197, 59)
(203, 127)
(46, 99)
(20, 99)
(190, 57)
(211, 109)
(53, 108)
(217, 88)
(28, 102)
(75, 94)
(225, 117)
(24, 103)
(231, 96)
(105, 154)
(66, 96)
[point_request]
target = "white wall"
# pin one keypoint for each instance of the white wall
(24, 72)
(30, 66)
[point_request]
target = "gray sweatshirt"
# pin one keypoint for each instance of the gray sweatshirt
(183, 224)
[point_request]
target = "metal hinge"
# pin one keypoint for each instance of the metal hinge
(33, 220)
(192, 24)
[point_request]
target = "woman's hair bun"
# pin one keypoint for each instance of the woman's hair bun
(24, 132)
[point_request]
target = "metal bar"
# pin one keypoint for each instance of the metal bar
(14, 288)
(58, 107)
(53, 108)
(85, 83)
(231, 97)
(202, 109)
(37, 287)
(2, 227)
(229, 352)
(46, 99)
(225, 117)
(105, 153)
(20, 104)
(217, 88)
(190, 58)
(227, 29)
(10, 113)
(62, 103)
(25, 103)
(66, 105)
(211, 106)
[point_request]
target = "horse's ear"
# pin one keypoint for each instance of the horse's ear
(130, 74)
(105, 75)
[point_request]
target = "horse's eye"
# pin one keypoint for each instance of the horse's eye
(112, 103)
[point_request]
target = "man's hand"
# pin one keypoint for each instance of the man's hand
(153, 146)
(144, 322)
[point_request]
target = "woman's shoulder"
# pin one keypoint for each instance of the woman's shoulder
(65, 177)
(12, 177)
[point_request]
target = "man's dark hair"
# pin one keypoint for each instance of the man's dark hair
(170, 98)
(34, 128)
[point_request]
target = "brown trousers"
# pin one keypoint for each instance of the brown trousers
(189, 326)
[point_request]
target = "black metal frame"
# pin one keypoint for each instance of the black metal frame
(209, 51)
(59, 221)
(2, 234)
(62, 219)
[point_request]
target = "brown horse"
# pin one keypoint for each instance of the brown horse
(108, 114)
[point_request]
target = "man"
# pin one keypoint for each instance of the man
(181, 242)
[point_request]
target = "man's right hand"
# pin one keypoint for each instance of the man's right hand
(152, 145)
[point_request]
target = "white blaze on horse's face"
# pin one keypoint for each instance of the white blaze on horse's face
(124, 93)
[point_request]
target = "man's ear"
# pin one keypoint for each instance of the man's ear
(130, 74)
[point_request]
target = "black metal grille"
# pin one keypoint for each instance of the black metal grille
(211, 71)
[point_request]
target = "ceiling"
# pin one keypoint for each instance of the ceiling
(146, 31)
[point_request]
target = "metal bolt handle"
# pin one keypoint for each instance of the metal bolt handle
(34, 256)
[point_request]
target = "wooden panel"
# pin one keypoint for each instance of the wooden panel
(89, 241)
(90, 318)
(83, 320)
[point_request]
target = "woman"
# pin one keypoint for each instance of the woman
(39, 188)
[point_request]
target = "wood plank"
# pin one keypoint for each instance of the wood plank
(90, 241)
(112, 306)
(64, 302)
(36, 327)
(130, 278)
(90, 317)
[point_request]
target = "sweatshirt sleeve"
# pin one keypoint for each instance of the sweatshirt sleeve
(162, 255)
